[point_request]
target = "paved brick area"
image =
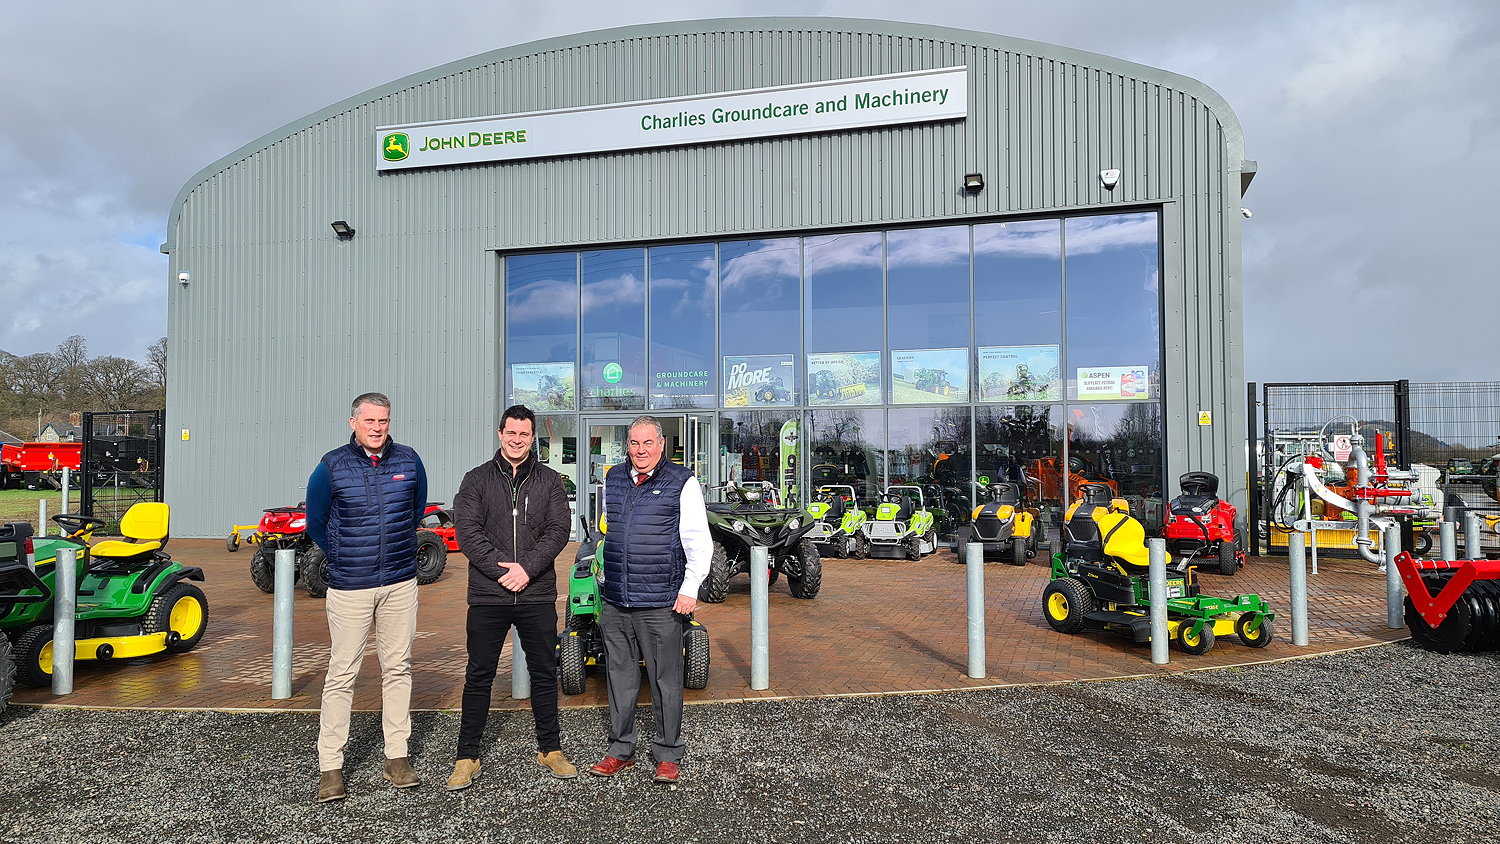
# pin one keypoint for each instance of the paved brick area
(877, 627)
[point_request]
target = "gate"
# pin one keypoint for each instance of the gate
(122, 461)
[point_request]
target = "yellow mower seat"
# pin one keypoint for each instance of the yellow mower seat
(144, 528)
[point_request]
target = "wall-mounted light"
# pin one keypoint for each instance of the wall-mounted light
(973, 182)
(343, 230)
(184, 279)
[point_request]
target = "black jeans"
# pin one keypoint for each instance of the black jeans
(489, 627)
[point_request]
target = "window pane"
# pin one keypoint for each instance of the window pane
(760, 294)
(846, 448)
(1021, 444)
(927, 287)
(541, 330)
(614, 330)
(930, 448)
(1018, 283)
(750, 450)
(557, 446)
(844, 302)
(682, 326)
(1121, 445)
(1114, 310)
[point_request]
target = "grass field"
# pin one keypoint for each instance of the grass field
(20, 505)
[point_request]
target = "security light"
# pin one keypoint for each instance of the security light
(973, 182)
(343, 230)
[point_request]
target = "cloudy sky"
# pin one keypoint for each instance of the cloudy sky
(1375, 124)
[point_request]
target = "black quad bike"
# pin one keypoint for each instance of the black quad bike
(744, 520)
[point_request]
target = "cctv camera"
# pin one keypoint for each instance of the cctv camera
(1109, 178)
(1245, 212)
(183, 279)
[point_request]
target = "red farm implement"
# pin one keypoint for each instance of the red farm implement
(1452, 605)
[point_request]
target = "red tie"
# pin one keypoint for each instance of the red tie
(375, 460)
(641, 478)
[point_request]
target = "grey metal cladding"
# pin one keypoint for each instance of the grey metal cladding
(283, 323)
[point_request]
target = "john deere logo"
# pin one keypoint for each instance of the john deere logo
(397, 146)
(613, 373)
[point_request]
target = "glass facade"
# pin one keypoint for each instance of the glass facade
(944, 357)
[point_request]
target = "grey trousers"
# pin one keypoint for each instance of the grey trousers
(654, 633)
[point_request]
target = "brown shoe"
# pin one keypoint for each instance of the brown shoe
(400, 774)
(609, 766)
(558, 764)
(331, 786)
(464, 772)
(667, 772)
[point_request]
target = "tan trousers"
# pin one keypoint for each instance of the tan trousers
(393, 611)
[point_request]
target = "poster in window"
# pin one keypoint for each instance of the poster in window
(760, 380)
(1019, 373)
(543, 386)
(837, 378)
(1113, 383)
(930, 376)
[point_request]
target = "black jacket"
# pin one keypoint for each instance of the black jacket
(504, 517)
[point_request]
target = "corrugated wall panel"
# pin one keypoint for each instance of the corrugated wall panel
(283, 323)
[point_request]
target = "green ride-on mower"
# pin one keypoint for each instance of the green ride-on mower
(838, 522)
(1003, 526)
(1100, 580)
(134, 600)
(903, 526)
(581, 644)
(750, 517)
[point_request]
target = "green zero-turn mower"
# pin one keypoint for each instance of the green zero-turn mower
(838, 522)
(903, 526)
(1100, 580)
(749, 517)
(134, 600)
(581, 644)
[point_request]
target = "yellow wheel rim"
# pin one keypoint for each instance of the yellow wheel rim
(1057, 605)
(186, 617)
(1189, 637)
(44, 658)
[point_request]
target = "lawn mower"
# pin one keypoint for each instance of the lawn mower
(902, 525)
(581, 644)
(134, 600)
(1100, 580)
(1199, 525)
(750, 517)
(837, 522)
(1002, 526)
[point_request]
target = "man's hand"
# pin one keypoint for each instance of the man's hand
(685, 604)
(515, 577)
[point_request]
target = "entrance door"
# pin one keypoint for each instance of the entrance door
(689, 441)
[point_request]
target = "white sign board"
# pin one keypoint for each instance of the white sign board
(1341, 446)
(1113, 383)
(895, 98)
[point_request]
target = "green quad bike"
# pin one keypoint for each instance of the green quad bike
(581, 644)
(134, 600)
(747, 518)
(903, 526)
(838, 523)
(1100, 581)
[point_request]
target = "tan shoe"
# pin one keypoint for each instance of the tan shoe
(558, 764)
(331, 786)
(464, 772)
(400, 774)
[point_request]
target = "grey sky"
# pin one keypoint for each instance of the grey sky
(1375, 125)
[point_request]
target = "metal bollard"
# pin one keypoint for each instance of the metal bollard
(760, 618)
(520, 675)
(1447, 541)
(41, 517)
(65, 503)
(1471, 536)
(1297, 564)
(1158, 574)
(281, 623)
(1393, 618)
(64, 611)
(974, 561)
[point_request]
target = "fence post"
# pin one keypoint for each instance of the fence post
(760, 617)
(41, 517)
(66, 483)
(1157, 570)
(1471, 536)
(974, 562)
(281, 624)
(1297, 565)
(1393, 618)
(520, 674)
(1447, 541)
(64, 611)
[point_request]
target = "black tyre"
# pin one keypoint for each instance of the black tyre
(432, 556)
(7, 673)
(232, 544)
(1018, 551)
(32, 656)
(263, 569)
(1065, 602)
(840, 546)
(1422, 543)
(1448, 637)
(715, 586)
(913, 545)
(1260, 636)
(807, 584)
(1194, 643)
(1229, 560)
(861, 546)
(572, 674)
(181, 609)
(315, 572)
(695, 657)
(961, 546)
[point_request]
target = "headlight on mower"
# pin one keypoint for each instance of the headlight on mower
(793, 524)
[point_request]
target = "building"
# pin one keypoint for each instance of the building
(944, 257)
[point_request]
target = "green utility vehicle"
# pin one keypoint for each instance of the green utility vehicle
(748, 517)
(903, 526)
(838, 522)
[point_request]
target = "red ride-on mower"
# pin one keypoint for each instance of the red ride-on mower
(1199, 526)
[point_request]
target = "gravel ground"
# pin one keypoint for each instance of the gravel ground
(1385, 744)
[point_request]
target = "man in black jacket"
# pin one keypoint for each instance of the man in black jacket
(512, 519)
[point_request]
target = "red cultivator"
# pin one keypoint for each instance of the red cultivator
(1452, 605)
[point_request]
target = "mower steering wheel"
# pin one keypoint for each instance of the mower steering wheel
(77, 524)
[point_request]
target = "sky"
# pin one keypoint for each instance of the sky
(1375, 125)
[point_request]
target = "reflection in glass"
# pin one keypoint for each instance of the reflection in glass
(1120, 445)
(750, 449)
(1018, 283)
(760, 295)
(1114, 297)
(556, 446)
(541, 311)
(929, 447)
(682, 326)
(613, 369)
(846, 446)
(844, 301)
(1021, 445)
(927, 287)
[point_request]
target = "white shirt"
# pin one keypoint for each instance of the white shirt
(692, 532)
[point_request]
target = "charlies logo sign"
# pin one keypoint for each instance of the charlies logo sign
(890, 99)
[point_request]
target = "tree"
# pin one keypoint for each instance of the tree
(72, 357)
(115, 383)
(156, 359)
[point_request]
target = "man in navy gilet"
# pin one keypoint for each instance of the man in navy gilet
(656, 553)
